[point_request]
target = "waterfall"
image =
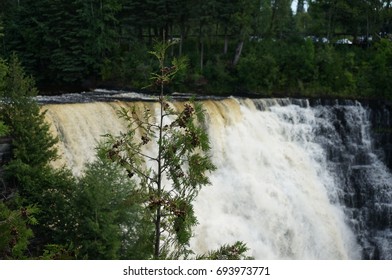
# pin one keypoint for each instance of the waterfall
(293, 181)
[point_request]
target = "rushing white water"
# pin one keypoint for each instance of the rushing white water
(273, 188)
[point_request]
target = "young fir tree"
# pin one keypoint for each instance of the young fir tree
(168, 152)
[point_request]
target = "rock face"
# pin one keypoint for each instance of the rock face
(359, 149)
(381, 129)
(380, 116)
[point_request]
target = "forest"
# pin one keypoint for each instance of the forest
(319, 48)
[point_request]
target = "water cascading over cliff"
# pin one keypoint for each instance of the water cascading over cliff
(293, 181)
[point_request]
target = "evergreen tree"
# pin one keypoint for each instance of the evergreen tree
(29, 174)
(32, 142)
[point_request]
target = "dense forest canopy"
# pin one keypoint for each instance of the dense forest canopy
(332, 47)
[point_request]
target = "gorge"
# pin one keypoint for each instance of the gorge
(295, 178)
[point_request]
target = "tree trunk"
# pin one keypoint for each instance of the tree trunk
(331, 25)
(273, 15)
(226, 43)
(300, 7)
(157, 245)
(201, 46)
(238, 52)
(181, 41)
(201, 55)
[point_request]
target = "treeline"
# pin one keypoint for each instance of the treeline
(243, 46)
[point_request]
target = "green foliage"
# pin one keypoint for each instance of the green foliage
(62, 41)
(166, 74)
(235, 251)
(280, 17)
(52, 191)
(131, 67)
(4, 130)
(29, 174)
(57, 252)
(32, 142)
(110, 221)
(177, 160)
(15, 231)
(57, 188)
(380, 69)
(3, 73)
(258, 73)
(104, 42)
(218, 73)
